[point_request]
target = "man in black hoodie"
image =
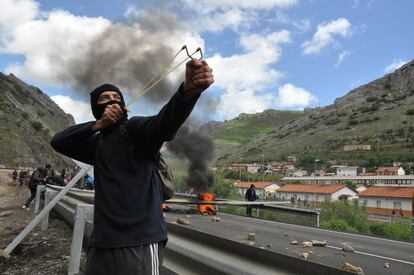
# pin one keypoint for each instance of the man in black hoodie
(129, 230)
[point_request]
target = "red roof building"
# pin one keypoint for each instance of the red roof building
(383, 200)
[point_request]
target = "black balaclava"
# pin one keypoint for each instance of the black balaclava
(98, 109)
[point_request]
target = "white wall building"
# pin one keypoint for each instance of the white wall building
(315, 192)
(346, 171)
(394, 181)
(383, 200)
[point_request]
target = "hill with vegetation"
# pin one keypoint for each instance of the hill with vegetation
(379, 114)
(28, 119)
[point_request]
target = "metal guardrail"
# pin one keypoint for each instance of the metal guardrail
(189, 251)
(274, 208)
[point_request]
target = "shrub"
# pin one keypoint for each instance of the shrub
(371, 98)
(410, 112)
(338, 224)
(37, 125)
(354, 216)
(332, 121)
(353, 122)
(25, 115)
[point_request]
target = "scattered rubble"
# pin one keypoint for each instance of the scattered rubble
(304, 255)
(183, 221)
(294, 242)
(349, 267)
(251, 237)
(306, 244)
(386, 265)
(348, 248)
(319, 243)
(215, 219)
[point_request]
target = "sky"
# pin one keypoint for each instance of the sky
(280, 54)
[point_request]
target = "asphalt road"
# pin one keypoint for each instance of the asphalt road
(370, 253)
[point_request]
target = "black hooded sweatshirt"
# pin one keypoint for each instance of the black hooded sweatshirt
(128, 198)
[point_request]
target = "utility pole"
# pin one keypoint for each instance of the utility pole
(314, 193)
(263, 171)
(240, 167)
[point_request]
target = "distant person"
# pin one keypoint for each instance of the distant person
(36, 179)
(22, 176)
(401, 213)
(15, 174)
(88, 182)
(250, 196)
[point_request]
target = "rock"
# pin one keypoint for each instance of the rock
(349, 267)
(251, 243)
(294, 242)
(307, 244)
(215, 219)
(251, 237)
(347, 248)
(319, 243)
(386, 265)
(304, 255)
(188, 216)
(269, 245)
(285, 234)
(5, 213)
(183, 221)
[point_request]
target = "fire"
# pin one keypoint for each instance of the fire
(206, 209)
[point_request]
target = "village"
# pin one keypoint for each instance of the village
(387, 192)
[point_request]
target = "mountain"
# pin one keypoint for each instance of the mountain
(28, 120)
(379, 114)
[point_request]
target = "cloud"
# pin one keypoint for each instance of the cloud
(13, 13)
(252, 68)
(324, 36)
(216, 15)
(341, 57)
(292, 96)
(208, 6)
(236, 101)
(80, 110)
(243, 77)
(396, 63)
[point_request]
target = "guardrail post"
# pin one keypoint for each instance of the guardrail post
(412, 228)
(83, 212)
(49, 195)
(318, 213)
(39, 190)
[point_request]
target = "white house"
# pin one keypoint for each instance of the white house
(383, 200)
(394, 171)
(253, 168)
(345, 170)
(300, 173)
(262, 188)
(315, 192)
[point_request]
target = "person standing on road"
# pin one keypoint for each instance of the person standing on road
(129, 229)
(15, 174)
(37, 178)
(250, 196)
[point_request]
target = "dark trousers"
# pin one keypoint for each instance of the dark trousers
(145, 259)
(32, 196)
(249, 210)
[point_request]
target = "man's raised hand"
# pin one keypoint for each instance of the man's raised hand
(198, 77)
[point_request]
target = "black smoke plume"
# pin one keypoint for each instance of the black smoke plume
(198, 149)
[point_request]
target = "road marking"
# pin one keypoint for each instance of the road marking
(373, 255)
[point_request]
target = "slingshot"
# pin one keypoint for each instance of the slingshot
(166, 71)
